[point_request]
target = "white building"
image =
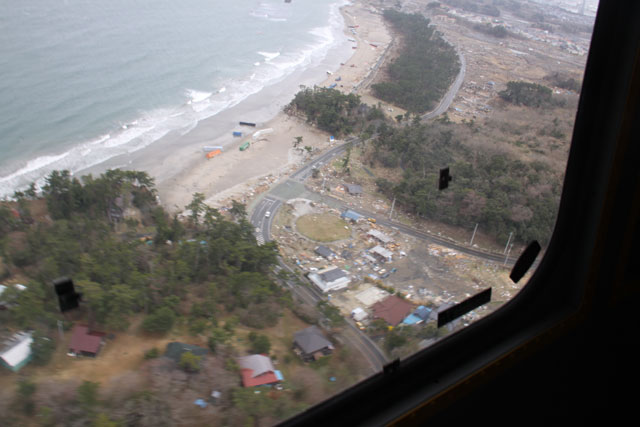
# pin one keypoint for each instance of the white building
(330, 279)
(380, 236)
(382, 253)
(358, 314)
(16, 351)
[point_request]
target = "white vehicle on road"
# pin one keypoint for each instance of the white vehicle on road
(267, 214)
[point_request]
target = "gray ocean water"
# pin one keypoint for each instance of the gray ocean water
(82, 81)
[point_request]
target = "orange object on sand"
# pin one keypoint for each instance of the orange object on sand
(213, 153)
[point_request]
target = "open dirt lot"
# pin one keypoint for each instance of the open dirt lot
(323, 228)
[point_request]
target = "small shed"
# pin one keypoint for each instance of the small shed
(378, 235)
(354, 189)
(16, 351)
(85, 342)
(175, 350)
(351, 215)
(420, 315)
(382, 254)
(358, 314)
(325, 252)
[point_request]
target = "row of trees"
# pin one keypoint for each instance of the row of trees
(328, 109)
(424, 69)
(527, 94)
(92, 197)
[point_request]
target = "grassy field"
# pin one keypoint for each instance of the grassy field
(323, 227)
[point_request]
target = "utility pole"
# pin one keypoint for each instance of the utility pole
(508, 241)
(473, 235)
(392, 205)
(60, 330)
(507, 257)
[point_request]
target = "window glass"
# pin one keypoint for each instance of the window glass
(226, 212)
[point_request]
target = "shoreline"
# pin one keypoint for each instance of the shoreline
(242, 175)
(178, 164)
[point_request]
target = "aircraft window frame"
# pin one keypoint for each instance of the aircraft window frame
(431, 378)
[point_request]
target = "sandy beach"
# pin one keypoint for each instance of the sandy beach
(181, 169)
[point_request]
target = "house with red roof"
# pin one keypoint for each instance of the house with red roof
(257, 369)
(85, 342)
(392, 309)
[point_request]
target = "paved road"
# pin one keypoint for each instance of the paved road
(352, 335)
(306, 294)
(261, 220)
(305, 172)
(451, 93)
(365, 345)
(294, 186)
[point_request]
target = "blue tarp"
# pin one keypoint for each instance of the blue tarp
(349, 214)
(279, 375)
(201, 403)
(419, 315)
(411, 319)
(237, 134)
(422, 312)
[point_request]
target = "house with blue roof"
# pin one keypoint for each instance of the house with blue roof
(351, 215)
(420, 315)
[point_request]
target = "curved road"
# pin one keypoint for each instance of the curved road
(451, 93)
(266, 208)
(271, 202)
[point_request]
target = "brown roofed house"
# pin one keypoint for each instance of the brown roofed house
(85, 342)
(393, 309)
